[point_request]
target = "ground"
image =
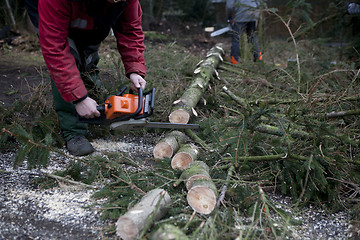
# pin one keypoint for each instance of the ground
(27, 212)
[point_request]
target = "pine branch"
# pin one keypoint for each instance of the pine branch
(242, 102)
(225, 186)
(343, 113)
(62, 179)
(198, 140)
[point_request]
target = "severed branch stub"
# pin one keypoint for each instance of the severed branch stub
(167, 146)
(186, 155)
(151, 207)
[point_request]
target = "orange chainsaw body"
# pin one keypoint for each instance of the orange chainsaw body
(117, 106)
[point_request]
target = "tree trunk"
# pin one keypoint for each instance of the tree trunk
(167, 146)
(202, 192)
(184, 107)
(186, 155)
(169, 232)
(151, 207)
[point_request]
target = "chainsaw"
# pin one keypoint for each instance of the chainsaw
(130, 111)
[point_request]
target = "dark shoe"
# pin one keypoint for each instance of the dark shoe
(79, 146)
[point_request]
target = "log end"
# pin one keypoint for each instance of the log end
(181, 161)
(162, 150)
(179, 116)
(202, 199)
(191, 179)
(126, 229)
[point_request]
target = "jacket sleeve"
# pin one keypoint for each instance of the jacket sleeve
(54, 19)
(229, 8)
(130, 39)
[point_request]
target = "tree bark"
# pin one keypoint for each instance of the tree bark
(186, 155)
(196, 170)
(202, 192)
(151, 207)
(183, 108)
(167, 146)
(169, 232)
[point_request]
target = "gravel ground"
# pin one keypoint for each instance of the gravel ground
(28, 212)
(315, 222)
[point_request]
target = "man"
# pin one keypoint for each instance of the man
(243, 16)
(70, 33)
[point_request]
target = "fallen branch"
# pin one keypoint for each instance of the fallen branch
(242, 102)
(62, 179)
(343, 113)
(198, 140)
(225, 186)
(312, 27)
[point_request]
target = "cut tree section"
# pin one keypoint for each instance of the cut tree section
(151, 208)
(167, 146)
(187, 154)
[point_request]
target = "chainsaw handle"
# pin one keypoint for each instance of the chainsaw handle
(101, 109)
(140, 103)
(96, 120)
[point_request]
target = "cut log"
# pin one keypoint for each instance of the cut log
(169, 232)
(179, 116)
(202, 196)
(187, 154)
(183, 108)
(151, 207)
(167, 146)
(196, 170)
(202, 191)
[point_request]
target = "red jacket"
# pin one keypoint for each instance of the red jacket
(58, 17)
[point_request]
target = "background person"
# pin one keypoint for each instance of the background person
(243, 16)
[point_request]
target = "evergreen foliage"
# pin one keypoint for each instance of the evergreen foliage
(276, 138)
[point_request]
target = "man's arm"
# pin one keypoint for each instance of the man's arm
(54, 19)
(130, 42)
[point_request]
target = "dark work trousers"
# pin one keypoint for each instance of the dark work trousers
(87, 58)
(239, 28)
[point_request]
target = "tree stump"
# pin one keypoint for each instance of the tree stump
(167, 146)
(186, 155)
(151, 207)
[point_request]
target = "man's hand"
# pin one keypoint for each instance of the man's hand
(137, 82)
(87, 108)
